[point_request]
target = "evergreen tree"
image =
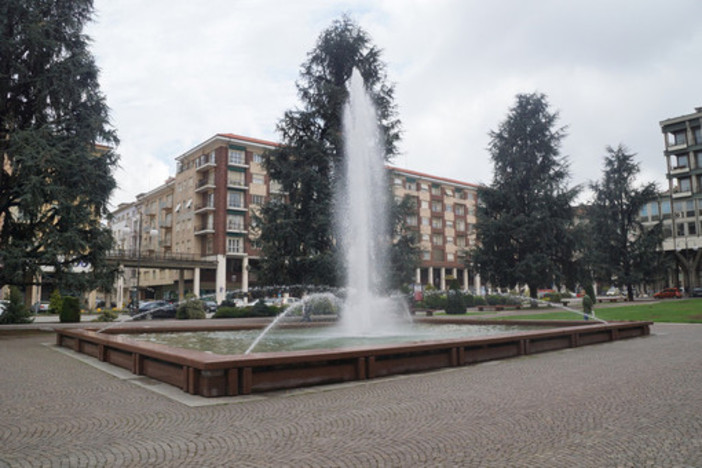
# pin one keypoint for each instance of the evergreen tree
(56, 170)
(296, 235)
(525, 229)
(621, 249)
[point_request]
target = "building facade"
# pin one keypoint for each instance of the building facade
(681, 208)
(445, 224)
(206, 211)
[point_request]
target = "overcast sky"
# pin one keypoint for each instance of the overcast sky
(176, 72)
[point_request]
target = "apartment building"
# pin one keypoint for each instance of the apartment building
(445, 224)
(680, 208)
(206, 212)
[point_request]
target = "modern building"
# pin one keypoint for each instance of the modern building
(206, 212)
(681, 208)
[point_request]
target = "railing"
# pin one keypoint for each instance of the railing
(133, 254)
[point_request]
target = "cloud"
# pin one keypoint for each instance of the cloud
(177, 72)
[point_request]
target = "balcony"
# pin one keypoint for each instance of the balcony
(237, 228)
(204, 207)
(165, 243)
(237, 207)
(205, 184)
(208, 163)
(204, 229)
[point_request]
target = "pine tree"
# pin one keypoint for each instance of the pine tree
(525, 217)
(296, 236)
(621, 249)
(55, 139)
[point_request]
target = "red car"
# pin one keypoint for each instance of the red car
(668, 293)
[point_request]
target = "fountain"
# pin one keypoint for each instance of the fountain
(367, 312)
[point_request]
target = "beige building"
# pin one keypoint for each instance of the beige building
(445, 223)
(206, 211)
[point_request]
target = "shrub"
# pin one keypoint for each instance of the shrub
(107, 315)
(16, 311)
(225, 311)
(469, 300)
(455, 303)
(70, 310)
(55, 302)
(479, 301)
(435, 300)
(552, 297)
(191, 309)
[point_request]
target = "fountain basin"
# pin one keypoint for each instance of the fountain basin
(213, 375)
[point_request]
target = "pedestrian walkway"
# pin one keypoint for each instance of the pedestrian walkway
(628, 403)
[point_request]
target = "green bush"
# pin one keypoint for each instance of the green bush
(552, 297)
(107, 315)
(479, 301)
(16, 311)
(191, 309)
(434, 300)
(55, 302)
(225, 311)
(260, 309)
(70, 310)
(455, 303)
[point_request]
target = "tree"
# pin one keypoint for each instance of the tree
(525, 217)
(297, 234)
(15, 311)
(621, 249)
(55, 145)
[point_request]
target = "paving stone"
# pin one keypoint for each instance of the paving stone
(629, 403)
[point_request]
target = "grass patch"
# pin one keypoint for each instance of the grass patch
(677, 311)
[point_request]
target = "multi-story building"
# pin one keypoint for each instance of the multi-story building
(681, 208)
(206, 212)
(445, 224)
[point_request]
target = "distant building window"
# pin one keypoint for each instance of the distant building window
(448, 192)
(460, 210)
(237, 157)
(684, 184)
(460, 225)
(258, 179)
(398, 181)
(235, 200)
(438, 255)
(692, 228)
(410, 186)
(698, 135)
(258, 158)
(682, 162)
(426, 255)
(449, 240)
(425, 221)
(412, 220)
(425, 188)
(425, 204)
(437, 239)
(448, 207)
(435, 190)
(235, 222)
(460, 241)
(235, 245)
(436, 206)
(257, 199)
(436, 223)
(450, 257)
(237, 179)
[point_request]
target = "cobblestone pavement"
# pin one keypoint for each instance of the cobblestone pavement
(631, 403)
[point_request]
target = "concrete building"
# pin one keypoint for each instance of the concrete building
(681, 208)
(445, 222)
(206, 212)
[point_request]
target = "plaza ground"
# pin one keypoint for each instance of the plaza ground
(628, 403)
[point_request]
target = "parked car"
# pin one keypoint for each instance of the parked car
(40, 307)
(668, 293)
(696, 292)
(3, 306)
(210, 306)
(154, 309)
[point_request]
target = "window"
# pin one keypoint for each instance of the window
(449, 224)
(692, 228)
(680, 231)
(436, 223)
(448, 192)
(257, 199)
(460, 210)
(654, 211)
(237, 179)
(235, 200)
(437, 239)
(258, 179)
(449, 240)
(237, 156)
(425, 205)
(665, 209)
(235, 245)
(450, 257)
(258, 158)
(684, 184)
(410, 186)
(460, 225)
(235, 222)
(425, 221)
(460, 241)
(438, 255)
(682, 162)
(412, 220)
(448, 208)
(398, 181)
(425, 237)
(677, 138)
(426, 255)
(435, 190)
(425, 187)
(698, 157)
(698, 135)
(436, 206)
